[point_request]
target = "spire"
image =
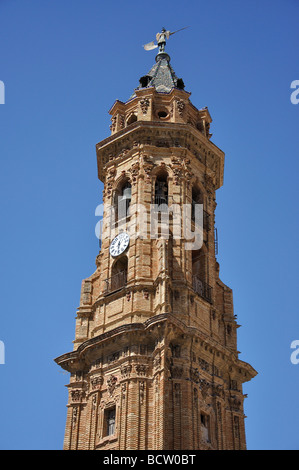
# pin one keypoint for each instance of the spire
(161, 76)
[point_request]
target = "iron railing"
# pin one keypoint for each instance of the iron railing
(116, 282)
(205, 217)
(202, 289)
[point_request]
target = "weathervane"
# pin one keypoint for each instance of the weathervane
(161, 40)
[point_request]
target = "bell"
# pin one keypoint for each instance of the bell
(126, 193)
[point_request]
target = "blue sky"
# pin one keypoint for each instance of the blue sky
(64, 63)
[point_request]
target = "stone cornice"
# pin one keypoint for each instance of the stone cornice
(184, 132)
(75, 360)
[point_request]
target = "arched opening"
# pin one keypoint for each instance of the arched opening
(180, 84)
(119, 274)
(131, 119)
(109, 422)
(197, 198)
(144, 81)
(162, 114)
(161, 189)
(122, 201)
(198, 264)
(200, 126)
(199, 274)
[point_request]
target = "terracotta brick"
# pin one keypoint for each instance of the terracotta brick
(157, 349)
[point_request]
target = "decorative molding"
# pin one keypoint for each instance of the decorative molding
(180, 107)
(77, 395)
(177, 393)
(141, 369)
(144, 105)
(204, 387)
(111, 384)
(141, 391)
(74, 416)
(134, 171)
(110, 178)
(157, 361)
(113, 123)
(126, 370)
(123, 390)
(96, 382)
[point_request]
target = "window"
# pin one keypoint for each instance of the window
(198, 264)
(236, 427)
(132, 118)
(161, 189)
(234, 385)
(197, 198)
(122, 201)
(162, 114)
(109, 422)
(175, 350)
(119, 274)
(205, 427)
(144, 81)
(199, 270)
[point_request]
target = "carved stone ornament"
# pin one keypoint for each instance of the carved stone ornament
(126, 370)
(96, 382)
(94, 403)
(77, 395)
(181, 169)
(121, 121)
(144, 104)
(98, 260)
(147, 167)
(123, 391)
(141, 392)
(180, 106)
(157, 384)
(218, 391)
(74, 416)
(141, 369)
(134, 170)
(235, 403)
(157, 361)
(204, 386)
(113, 123)
(111, 384)
(128, 295)
(194, 375)
(209, 183)
(110, 179)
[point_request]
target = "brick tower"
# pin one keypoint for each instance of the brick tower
(155, 362)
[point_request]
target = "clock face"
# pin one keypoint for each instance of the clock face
(119, 244)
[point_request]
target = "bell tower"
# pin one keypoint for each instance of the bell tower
(155, 362)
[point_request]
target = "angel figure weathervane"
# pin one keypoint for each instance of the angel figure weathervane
(161, 40)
